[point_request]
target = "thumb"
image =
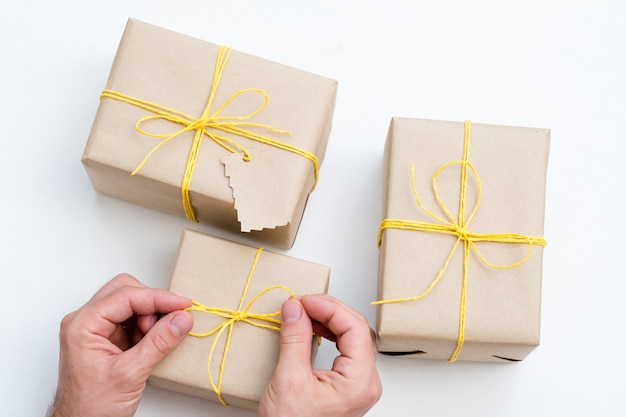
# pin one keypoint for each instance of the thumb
(296, 336)
(162, 339)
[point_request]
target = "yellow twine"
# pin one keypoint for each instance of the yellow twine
(262, 320)
(459, 228)
(234, 125)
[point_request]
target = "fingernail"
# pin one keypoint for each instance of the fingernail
(292, 311)
(181, 324)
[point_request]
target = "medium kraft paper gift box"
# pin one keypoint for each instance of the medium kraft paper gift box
(244, 136)
(214, 272)
(445, 308)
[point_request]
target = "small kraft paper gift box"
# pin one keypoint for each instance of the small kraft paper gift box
(461, 240)
(238, 291)
(199, 130)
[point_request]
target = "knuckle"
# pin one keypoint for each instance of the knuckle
(125, 278)
(373, 345)
(375, 391)
(294, 336)
(67, 326)
(371, 391)
(373, 335)
(66, 322)
(123, 281)
(360, 317)
(289, 339)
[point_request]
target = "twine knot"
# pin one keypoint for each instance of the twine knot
(262, 320)
(463, 233)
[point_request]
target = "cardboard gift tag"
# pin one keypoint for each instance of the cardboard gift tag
(262, 189)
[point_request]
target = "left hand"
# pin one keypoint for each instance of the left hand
(349, 389)
(111, 344)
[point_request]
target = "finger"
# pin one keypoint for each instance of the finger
(295, 340)
(121, 337)
(119, 281)
(137, 335)
(126, 334)
(354, 336)
(145, 323)
(161, 340)
(320, 330)
(124, 302)
(102, 317)
(325, 298)
(143, 326)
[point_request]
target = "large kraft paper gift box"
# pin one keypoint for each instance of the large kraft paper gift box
(244, 136)
(440, 295)
(214, 272)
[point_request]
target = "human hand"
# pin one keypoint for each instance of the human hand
(110, 345)
(349, 389)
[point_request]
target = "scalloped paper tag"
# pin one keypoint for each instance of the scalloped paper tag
(263, 190)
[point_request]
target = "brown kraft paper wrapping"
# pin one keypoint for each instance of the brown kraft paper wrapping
(266, 196)
(213, 272)
(502, 318)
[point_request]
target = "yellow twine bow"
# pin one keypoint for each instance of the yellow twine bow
(459, 228)
(234, 125)
(262, 320)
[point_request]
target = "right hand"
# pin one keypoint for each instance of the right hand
(349, 389)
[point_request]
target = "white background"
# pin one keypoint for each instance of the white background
(550, 64)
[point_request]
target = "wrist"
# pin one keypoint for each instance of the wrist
(59, 408)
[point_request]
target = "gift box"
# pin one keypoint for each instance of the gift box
(461, 243)
(235, 363)
(199, 130)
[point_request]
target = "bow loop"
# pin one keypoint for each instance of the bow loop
(189, 124)
(461, 221)
(246, 91)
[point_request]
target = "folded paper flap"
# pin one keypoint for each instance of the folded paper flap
(176, 71)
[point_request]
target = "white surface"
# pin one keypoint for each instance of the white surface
(557, 65)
